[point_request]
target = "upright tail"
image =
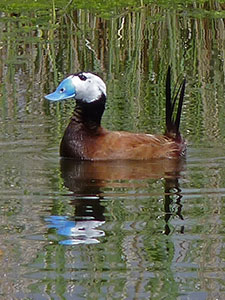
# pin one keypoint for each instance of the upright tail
(172, 120)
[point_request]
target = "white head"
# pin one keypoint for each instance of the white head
(86, 87)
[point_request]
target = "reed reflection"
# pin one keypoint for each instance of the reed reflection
(87, 181)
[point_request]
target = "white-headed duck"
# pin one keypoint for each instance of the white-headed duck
(86, 139)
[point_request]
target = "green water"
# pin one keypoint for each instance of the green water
(114, 230)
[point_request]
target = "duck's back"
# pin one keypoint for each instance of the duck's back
(111, 145)
(124, 145)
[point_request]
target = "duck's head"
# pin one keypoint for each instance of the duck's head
(84, 87)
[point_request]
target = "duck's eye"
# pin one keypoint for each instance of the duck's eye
(62, 90)
(82, 77)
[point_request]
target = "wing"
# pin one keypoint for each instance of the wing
(111, 145)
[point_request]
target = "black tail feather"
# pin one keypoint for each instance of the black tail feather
(172, 121)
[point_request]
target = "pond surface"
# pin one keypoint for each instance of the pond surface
(111, 230)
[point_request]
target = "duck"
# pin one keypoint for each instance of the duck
(86, 139)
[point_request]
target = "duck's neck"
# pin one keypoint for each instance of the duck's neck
(88, 115)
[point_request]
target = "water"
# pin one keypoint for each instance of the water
(111, 230)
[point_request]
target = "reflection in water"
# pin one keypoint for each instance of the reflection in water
(87, 208)
(80, 232)
(87, 179)
(172, 191)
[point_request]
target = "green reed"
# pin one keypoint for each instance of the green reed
(131, 51)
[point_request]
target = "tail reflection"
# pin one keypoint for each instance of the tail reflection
(172, 195)
(87, 179)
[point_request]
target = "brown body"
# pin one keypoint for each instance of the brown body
(115, 145)
(134, 146)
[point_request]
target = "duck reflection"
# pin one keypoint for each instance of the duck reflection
(172, 195)
(86, 181)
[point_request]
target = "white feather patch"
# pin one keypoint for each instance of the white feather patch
(90, 89)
